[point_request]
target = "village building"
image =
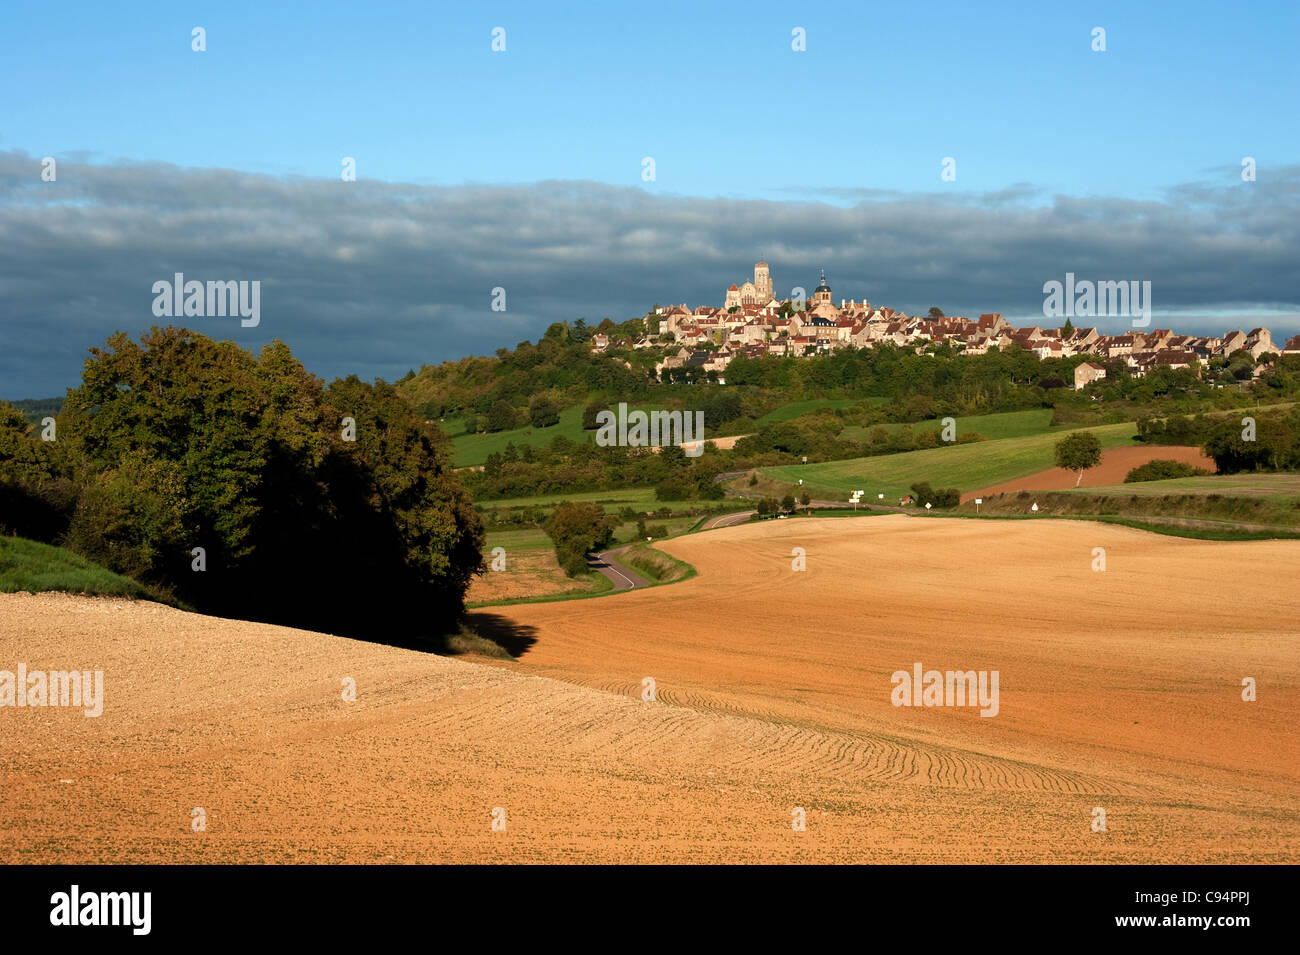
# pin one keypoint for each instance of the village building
(1086, 374)
(1259, 342)
(754, 323)
(1233, 341)
(757, 292)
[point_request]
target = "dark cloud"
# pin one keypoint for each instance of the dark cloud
(373, 278)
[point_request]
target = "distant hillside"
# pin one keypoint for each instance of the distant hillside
(528, 385)
(525, 388)
(526, 415)
(34, 409)
(463, 395)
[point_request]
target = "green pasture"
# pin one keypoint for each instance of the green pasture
(967, 467)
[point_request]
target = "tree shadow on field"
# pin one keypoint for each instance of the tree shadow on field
(476, 633)
(514, 638)
(424, 631)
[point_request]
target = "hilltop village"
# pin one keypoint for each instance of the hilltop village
(752, 322)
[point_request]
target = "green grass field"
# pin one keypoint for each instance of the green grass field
(654, 565)
(674, 525)
(967, 467)
(1008, 424)
(1226, 532)
(473, 449)
(1213, 507)
(1284, 488)
(637, 498)
(797, 408)
(28, 565)
(517, 538)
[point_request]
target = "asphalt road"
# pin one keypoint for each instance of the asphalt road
(623, 578)
(726, 520)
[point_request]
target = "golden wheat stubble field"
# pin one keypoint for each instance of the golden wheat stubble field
(1119, 689)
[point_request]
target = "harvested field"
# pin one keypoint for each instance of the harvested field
(1114, 467)
(528, 573)
(724, 443)
(1119, 689)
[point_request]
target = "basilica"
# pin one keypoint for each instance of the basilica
(757, 292)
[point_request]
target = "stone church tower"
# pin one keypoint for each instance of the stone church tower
(822, 293)
(757, 292)
(762, 284)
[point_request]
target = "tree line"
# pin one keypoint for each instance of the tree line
(242, 485)
(1247, 440)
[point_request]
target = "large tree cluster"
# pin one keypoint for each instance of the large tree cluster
(329, 507)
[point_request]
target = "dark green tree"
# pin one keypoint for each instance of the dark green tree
(577, 529)
(502, 416)
(1078, 451)
(543, 412)
(313, 506)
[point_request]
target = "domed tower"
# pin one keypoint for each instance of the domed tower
(763, 283)
(822, 293)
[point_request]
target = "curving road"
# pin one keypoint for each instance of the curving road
(623, 578)
(726, 520)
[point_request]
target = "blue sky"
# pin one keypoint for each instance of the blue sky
(883, 92)
(523, 169)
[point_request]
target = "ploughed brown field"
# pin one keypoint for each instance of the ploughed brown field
(1118, 689)
(1112, 469)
